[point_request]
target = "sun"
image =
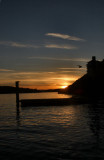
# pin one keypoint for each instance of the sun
(64, 87)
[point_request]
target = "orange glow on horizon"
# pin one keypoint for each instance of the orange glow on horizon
(41, 87)
(54, 82)
(46, 87)
(64, 87)
(54, 85)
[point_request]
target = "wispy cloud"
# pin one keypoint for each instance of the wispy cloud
(64, 36)
(32, 73)
(60, 59)
(38, 79)
(68, 71)
(65, 79)
(72, 68)
(6, 70)
(17, 44)
(63, 46)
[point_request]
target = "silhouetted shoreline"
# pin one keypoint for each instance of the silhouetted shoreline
(12, 90)
(91, 84)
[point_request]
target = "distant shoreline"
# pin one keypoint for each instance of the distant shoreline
(13, 90)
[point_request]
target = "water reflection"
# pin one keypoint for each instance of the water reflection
(44, 95)
(18, 114)
(70, 132)
(96, 120)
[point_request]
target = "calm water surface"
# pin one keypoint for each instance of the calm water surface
(54, 132)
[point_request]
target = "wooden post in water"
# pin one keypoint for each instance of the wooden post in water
(17, 94)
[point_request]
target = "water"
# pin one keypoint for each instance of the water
(50, 133)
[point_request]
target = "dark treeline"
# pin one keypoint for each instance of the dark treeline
(9, 89)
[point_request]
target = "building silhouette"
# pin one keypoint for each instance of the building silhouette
(92, 83)
(95, 67)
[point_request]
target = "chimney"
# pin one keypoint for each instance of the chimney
(93, 58)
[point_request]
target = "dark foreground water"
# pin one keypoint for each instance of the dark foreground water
(51, 133)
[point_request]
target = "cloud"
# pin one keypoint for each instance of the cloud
(60, 59)
(64, 36)
(32, 73)
(63, 46)
(72, 68)
(38, 79)
(68, 71)
(0, 1)
(25, 45)
(6, 70)
(16, 44)
(65, 79)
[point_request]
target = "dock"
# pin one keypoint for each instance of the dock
(45, 102)
(52, 102)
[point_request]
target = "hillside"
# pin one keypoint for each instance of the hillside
(87, 85)
(92, 83)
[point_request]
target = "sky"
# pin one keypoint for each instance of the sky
(42, 42)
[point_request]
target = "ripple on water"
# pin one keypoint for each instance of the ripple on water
(68, 132)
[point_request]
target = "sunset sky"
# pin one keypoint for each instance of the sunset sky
(42, 42)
